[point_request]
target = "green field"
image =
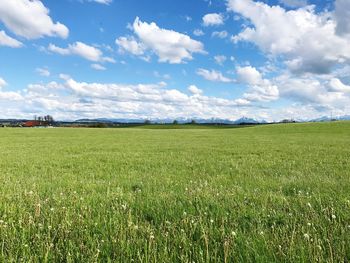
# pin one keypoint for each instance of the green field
(275, 193)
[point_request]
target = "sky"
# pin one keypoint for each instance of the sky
(153, 59)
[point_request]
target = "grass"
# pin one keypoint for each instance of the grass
(277, 193)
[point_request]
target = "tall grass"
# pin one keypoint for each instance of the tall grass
(260, 194)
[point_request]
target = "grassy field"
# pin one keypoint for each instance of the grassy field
(277, 193)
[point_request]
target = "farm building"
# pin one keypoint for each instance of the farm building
(31, 124)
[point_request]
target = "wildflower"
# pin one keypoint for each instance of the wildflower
(233, 233)
(309, 205)
(309, 224)
(307, 236)
(334, 217)
(51, 209)
(211, 221)
(261, 233)
(151, 236)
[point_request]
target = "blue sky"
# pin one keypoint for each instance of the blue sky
(174, 59)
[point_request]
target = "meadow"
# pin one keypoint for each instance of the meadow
(272, 193)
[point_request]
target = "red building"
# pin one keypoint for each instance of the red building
(31, 124)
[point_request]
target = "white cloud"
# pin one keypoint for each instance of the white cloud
(308, 40)
(8, 41)
(342, 16)
(105, 2)
(198, 32)
(260, 89)
(220, 34)
(294, 3)
(337, 85)
(2, 83)
(129, 44)
(162, 76)
(30, 19)
(10, 96)
(213, 19)
(220, 59)
(213, 75)
(195, 90)
(72, 99)
(43, 72)
(320, 93)
(83, 50)
(249, 75)
(98, 67)
(188, 18)
(170, 46)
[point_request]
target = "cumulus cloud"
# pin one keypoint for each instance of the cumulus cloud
(195, 90)
(213, 19)
(83, 50)
(105, 2)
(72, 99)
(198, 32)
(213, 75)
(8, 41)
(260, 89)
(30, 19)
(220, 59)
(337, 85)
(169, 45)
(308, 40)
(220, 34)
(342, 16)
(8, 96)
(320, 93)
(293, 3)
(98, 67)
(129, 44)
(43, 72)
(2, 83)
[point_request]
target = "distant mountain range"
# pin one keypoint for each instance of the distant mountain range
(327, 118)
(243, 120)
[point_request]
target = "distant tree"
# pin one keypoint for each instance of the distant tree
(175, 122)
(193, 122)
(100, 125)
(147, 122)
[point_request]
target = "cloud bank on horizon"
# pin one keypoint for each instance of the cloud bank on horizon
(264, 59)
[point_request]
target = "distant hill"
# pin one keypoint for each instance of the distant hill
(242, 120)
